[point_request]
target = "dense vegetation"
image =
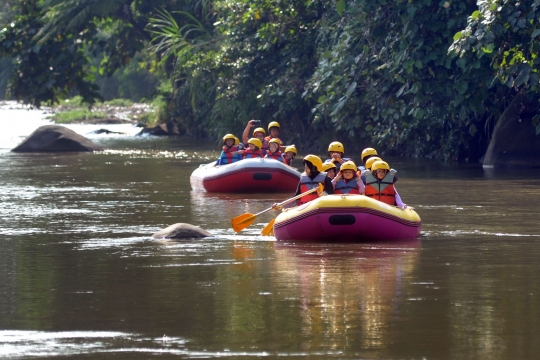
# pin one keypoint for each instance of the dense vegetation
(417, 78)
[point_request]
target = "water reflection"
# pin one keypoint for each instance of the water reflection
(347, 292)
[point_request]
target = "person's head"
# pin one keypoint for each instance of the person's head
(259, 133)
(273, 145)
(348, 170)
(290, 152)
(370, 161)
(254, 144)
(330, 169)
(273, 129)
(336, 149)
(368, 153)
(379, 169)
(229, 140)
(312, 164)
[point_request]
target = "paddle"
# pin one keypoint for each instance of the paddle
(243, 221)
(268, 230)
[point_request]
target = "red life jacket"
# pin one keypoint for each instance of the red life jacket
(227, 157)
(275, 155)
(307, 184)
(285, 160)
(250, 154)
(347, 187)
(382, 190)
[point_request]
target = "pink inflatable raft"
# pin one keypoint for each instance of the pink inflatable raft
(340, 218)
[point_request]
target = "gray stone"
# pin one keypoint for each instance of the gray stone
(181, 231)
(55, 138)
(514, 142)
(168, 128)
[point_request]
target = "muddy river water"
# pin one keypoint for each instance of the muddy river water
(80, 277)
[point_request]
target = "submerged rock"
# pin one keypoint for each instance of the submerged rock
(168, 128)
(55, 138)
(181, 231)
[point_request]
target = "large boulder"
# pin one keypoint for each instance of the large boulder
(181, 231)
(514, 142)
(55, 138)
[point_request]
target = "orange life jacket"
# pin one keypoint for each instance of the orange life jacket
(227, 157)
(347, 187)
(307, 184)
(250, 154)
(382, 190)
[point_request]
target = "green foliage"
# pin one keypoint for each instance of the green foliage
(71, 116)
(34, 80)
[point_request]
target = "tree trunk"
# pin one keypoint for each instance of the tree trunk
(513, 142)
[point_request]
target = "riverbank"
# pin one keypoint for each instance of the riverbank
(117, 111)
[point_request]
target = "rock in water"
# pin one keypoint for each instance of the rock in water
(55, 138)
(181, 231)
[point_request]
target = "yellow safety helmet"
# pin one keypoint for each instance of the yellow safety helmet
(273, 124)
(259, 129)
(315, 160)
(371, 160)
(275, 140)
(379, 164)
(236, 141)
(367, 152)
(336, 146)
(291, 148)
(348, 165)
(229, 136)
(328, 166)
(255, 142)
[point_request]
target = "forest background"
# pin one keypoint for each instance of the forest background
(411, 77)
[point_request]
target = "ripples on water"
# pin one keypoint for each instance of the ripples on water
(80, 275)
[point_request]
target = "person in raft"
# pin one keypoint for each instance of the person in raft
(330, 169)
(253, 150)
(367, 154)
(231, 144)
(289, 154)
(258, 133)
(273, 151)
(311, 178)
(336, 150)
(380, 184)
(347, 181)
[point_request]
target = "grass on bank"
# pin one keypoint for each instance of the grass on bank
(74, 109)
(71, 116)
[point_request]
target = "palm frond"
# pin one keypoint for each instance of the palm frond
(171, 39)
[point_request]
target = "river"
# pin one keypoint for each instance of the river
(80, 277)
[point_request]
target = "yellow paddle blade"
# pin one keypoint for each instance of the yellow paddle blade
(269, 228)
(242, 221)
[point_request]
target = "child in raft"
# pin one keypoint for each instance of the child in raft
(380, 184)
(253, 150)
(231, 144)
(347, 181)
(260, 133)
(289, 154)
(336, 150)
(273, 151)
(330, 169)
(367, 154)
